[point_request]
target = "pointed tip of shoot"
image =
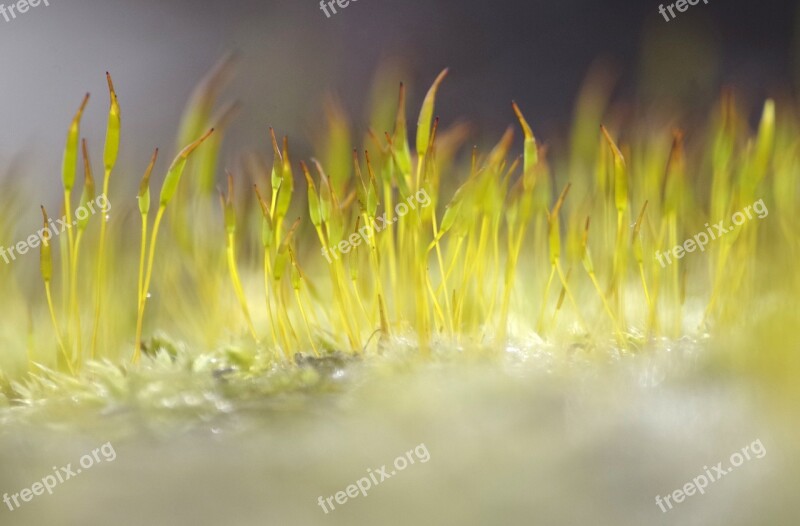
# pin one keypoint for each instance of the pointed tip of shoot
(426, 114)
(526, 129)
(196, 144)
(275, 148)
(46, 220)
(307, 174)
(150, 166)
(400, 123)
(608, 138)
(617, 153)
(290, 233)
(175, 170)
(84, 102)
(110, 82)
(85, 150)
(87, 170)
(561, 199)
(370, 170)
(263, 204)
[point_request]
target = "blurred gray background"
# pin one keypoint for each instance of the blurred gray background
(535, 52)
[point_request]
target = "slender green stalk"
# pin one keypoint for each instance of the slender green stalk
(110, 152)
(46, 269)
(167, 193)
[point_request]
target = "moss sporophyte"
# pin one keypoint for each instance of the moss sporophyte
(374, 242)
